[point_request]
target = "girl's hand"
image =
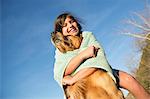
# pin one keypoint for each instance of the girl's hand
(89, 52)
(67, 80)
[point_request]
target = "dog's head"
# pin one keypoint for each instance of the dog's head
(65, 43)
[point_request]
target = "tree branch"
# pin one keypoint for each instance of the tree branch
(137, 35)
(145, 20)
(138, 25)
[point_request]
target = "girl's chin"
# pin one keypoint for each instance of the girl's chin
(75, 33)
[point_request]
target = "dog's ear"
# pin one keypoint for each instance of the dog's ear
(57, 40)
(77, 90)
(60, 42)
(60, 47)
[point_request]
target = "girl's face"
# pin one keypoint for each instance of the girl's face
(70, 27)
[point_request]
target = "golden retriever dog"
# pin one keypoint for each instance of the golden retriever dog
(98, 85)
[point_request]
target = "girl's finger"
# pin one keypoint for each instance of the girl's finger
(97, 48)
(95, 51)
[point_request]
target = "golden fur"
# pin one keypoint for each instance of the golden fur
(98, 85)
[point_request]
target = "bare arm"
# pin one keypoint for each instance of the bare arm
(69, 80)
(77, 60)
(73, 64)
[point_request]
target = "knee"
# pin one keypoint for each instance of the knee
(129, 78)
(126, 78)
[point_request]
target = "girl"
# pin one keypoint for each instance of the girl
(68, 26)
(87, 79)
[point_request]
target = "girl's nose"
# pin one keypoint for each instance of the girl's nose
(70, 25)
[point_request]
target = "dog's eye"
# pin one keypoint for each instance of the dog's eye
(66, 43)
(57, 41)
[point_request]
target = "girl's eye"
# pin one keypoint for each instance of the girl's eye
(71, 21)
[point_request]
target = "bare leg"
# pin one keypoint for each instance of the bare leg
(129, 83)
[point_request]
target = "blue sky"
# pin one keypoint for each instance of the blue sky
(28, 55)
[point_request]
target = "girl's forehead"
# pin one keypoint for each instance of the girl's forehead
(68, 19)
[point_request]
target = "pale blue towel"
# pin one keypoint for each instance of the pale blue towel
(62, 59)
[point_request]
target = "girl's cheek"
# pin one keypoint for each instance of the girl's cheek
(64, 30)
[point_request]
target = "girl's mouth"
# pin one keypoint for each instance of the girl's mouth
(73, 29)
